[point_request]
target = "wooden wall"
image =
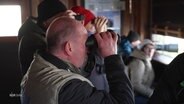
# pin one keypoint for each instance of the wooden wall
(10, 75)
(167, 17)
(137, 17)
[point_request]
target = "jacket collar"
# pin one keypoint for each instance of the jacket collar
(61, 64)
(140, 54)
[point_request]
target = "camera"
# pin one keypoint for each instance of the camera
(79, 17)
(167, 47)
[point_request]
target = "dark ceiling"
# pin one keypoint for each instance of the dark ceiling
(168, 11)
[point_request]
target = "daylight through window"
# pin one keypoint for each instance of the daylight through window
(10, 20)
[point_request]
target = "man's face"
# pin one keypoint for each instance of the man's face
(80, 51)
(135, 43)
(90, 27)
(149, 50)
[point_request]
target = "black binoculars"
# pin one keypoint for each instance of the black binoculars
(92, 46)
(91, 42)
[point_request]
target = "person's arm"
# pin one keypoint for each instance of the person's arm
(167, 89)
(78, 92)
(119, 85)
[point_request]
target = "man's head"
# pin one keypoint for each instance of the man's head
(134, 38)
(48, 10)
(66, 40)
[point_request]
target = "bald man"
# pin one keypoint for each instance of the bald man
(54, 75)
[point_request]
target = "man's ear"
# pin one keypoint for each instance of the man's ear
(68, 48)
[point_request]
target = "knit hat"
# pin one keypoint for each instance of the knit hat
(133, 36)
(89, 16)
(145, 42)
(49, 8)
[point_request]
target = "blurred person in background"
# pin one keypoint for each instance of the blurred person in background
(31, 34)
(128, 44)
(140, 71)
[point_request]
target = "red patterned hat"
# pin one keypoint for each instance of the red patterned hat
(89, 16)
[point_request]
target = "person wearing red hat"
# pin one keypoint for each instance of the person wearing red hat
(94, 25)
(141, 72)
(89, 16)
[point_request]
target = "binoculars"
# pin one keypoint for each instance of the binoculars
(92, 44)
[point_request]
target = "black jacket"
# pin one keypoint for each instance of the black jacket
(169, 89)
(31, 38)
(78, 92)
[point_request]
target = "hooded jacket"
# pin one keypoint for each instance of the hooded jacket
(31, 38)
(141, 73)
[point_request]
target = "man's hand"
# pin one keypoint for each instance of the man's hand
(100, 24)
(107, 43)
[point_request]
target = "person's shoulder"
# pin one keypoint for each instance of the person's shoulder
(136, 62)
(29, 27)
(72, 87)
(125, 43)
(181, 56)
(178, 59)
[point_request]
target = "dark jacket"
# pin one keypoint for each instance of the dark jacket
(31, 38)
(119, 85)
(169, 89)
